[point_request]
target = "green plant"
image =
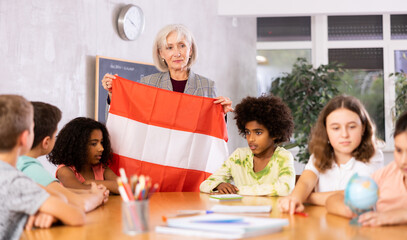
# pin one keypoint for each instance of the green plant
(306, 90)
(367, 86)
(401, 93)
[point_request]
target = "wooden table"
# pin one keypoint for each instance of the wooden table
(105, 222)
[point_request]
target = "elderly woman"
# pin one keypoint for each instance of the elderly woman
(174, 52)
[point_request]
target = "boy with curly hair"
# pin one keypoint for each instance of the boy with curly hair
(263, 168)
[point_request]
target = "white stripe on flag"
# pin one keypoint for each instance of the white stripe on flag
(165, 146)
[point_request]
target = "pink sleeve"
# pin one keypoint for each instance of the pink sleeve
(377, 176)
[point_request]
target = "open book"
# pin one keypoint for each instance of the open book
(222, 226)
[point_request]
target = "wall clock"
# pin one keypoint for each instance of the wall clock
(130, 22)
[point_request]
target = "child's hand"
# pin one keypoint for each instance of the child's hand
(375, 219)
(290, 205)
(93, 188)
(88, 182)
(44, 220)
(30, 222)
(100, 190)
(106, 195)
(227, 188)
(40, 220)
(97, 187)
(106, 192)
(348, 212)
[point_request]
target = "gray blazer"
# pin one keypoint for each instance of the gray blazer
(196, 85)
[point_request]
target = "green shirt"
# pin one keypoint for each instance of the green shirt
(276, 179)
(32, 168)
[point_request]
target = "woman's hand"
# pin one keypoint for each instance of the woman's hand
(290, 205)
(227, 188)
(107, 82)
(225, 102)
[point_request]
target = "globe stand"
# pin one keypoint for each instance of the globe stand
(354, 221)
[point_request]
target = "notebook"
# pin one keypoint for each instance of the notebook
(226, 197)
(214, 235)
(222, 226)
(240, 209)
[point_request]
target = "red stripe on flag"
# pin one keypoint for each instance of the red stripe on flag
(163, 108)
(169, 178)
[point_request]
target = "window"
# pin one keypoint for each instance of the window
(400, 61)
(355, 27)
(398, 26)
(281, 40)
(364, 80)
(284, 29)
(274, 63)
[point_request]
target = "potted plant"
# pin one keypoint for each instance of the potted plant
(306, 90)
(401, 94)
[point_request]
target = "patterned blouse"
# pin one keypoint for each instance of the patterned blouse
(276, 179)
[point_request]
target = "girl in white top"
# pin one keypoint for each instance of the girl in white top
(342, 143)
(336, 178)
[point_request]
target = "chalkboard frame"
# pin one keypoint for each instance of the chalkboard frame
(131, 70)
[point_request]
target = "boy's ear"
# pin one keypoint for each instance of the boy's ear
(24, 142)
(23, 138)
(45, 142)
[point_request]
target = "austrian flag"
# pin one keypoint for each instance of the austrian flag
(176, 139)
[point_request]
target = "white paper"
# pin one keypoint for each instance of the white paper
(241, 209)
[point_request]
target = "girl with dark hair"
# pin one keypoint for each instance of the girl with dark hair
(342, 143)
(82, 152)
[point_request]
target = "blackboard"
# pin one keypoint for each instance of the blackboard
(126, 69)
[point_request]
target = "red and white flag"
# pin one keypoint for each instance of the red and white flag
(176, 139)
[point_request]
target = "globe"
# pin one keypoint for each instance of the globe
(361, 194)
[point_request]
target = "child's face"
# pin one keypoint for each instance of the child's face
(95, 146)
(400, 152)
(344, 129)
(258, 138)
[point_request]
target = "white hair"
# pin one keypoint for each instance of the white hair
(161, 41)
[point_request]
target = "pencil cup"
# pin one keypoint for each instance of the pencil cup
(135, 217)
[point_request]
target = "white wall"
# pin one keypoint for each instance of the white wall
(48, 48)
